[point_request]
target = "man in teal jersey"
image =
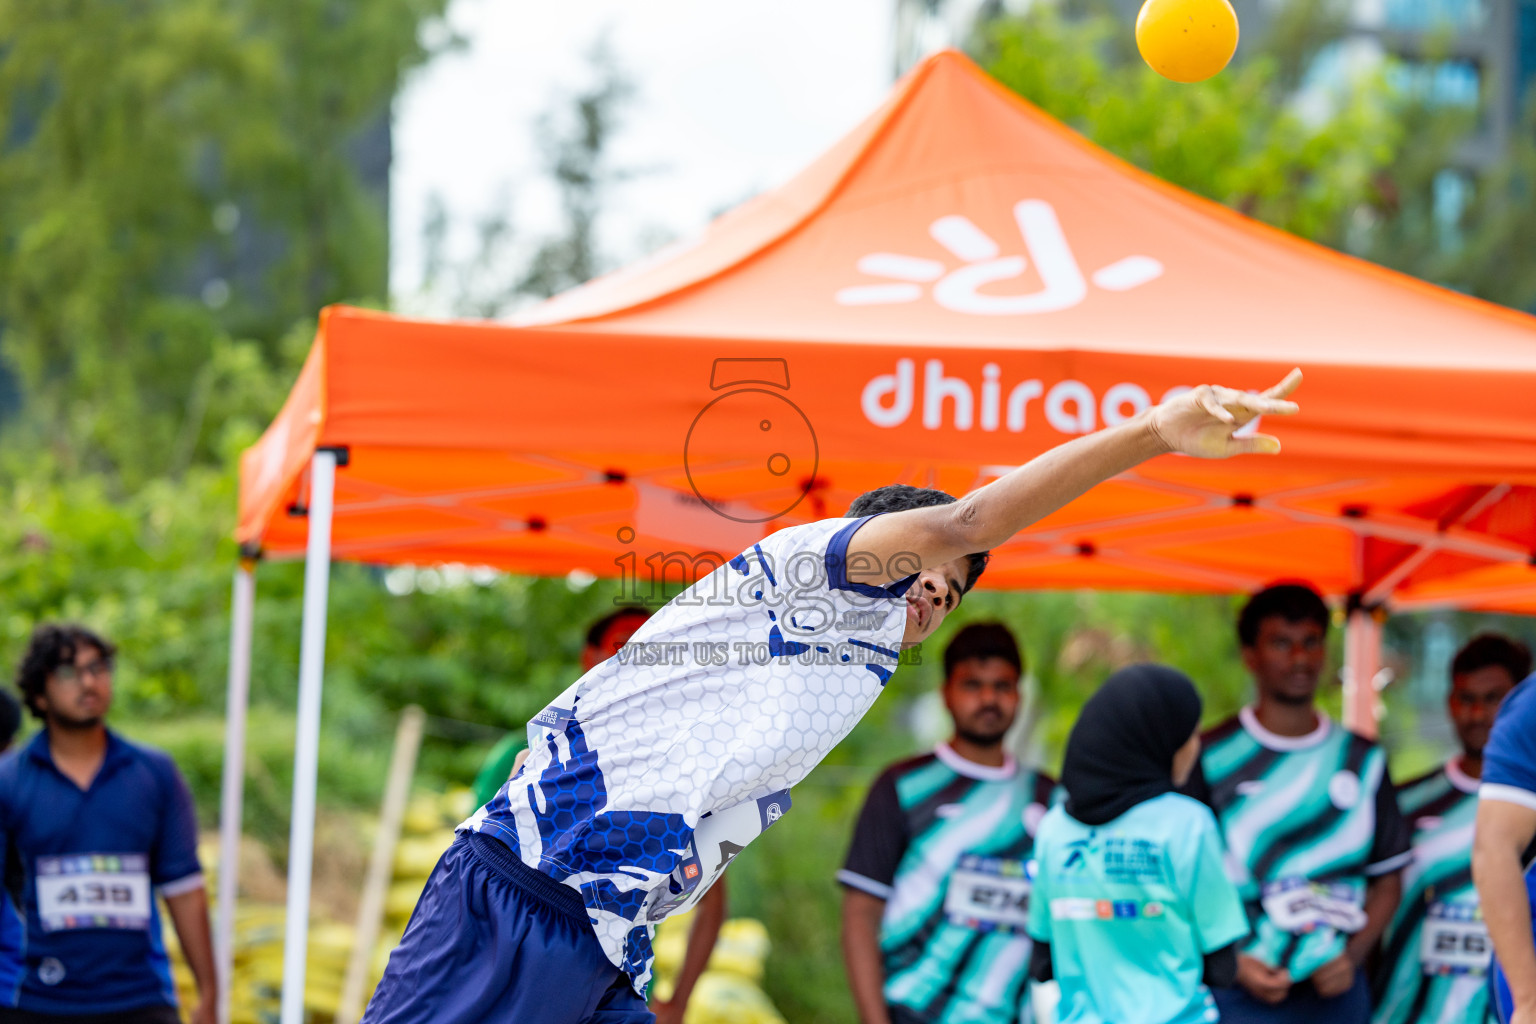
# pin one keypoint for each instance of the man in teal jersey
(935, 894)
(1435, 954)
(1315, 840)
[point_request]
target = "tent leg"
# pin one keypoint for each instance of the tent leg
(306, 747)
(1362, 660)
(231, 806)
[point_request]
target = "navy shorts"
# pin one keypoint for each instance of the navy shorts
(492, 940)
(1302, 1006)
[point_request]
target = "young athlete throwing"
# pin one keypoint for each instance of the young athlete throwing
(652, 771)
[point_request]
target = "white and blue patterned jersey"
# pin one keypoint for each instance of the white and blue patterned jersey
(656, 767)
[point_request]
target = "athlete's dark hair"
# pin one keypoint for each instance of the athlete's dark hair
(53, 644)
(1293, 602)
(982, 640)
(1487, 650)
(899, 498)
(599, 628)
(10, 719)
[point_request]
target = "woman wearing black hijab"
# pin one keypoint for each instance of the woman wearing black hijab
(1131, 910)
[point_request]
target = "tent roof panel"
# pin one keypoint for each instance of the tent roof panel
(958, 286)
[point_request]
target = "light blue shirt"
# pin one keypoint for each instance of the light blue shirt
(1130, 909)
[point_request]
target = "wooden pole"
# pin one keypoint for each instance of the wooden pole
(370, 911)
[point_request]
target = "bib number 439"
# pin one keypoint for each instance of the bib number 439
(93, 891)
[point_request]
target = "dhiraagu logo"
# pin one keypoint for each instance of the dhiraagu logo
(982, 263)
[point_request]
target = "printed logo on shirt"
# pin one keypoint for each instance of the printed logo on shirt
(1073, 908)
(1344, 789)
(1082, 908)
(1132, 859)
(50, 971)
(1077, 857)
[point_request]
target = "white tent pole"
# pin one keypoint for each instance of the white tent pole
(231, 806)
(306, 746)
(1362, 660)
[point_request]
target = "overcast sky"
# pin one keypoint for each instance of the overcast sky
(731, 97)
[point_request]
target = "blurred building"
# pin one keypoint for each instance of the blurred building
(1478, 54)
(1474, 54)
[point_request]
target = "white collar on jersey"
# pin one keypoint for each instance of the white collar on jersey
(1285, 744)
(1460, 779)
(972, 770)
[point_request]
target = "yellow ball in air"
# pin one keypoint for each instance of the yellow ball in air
(1186, 40)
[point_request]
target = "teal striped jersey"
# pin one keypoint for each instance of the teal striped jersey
(1433, 967)
(945, 842)
(1307, 820)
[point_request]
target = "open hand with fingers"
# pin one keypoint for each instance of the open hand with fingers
(1201, 422)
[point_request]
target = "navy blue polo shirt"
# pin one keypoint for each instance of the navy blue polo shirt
(82, 868)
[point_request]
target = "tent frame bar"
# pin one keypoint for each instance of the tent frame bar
(306, 748)
(232, 805)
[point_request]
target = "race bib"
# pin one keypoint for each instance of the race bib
(1298, 905)
(1455, 940)
(93, 890)
(988, 894)
(716, 842)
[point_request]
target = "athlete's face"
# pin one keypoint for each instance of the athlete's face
(936, 593)
(982, 695)
(616, 636)
(78, 693)
(1474, 701)
(1185, 757)
(1286, 659)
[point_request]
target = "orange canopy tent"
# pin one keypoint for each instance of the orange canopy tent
(958, 285)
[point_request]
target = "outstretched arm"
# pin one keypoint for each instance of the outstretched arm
(1199, 423)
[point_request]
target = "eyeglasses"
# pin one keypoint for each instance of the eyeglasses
(98, 669)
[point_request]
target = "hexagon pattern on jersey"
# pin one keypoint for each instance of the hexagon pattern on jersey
(737, 688)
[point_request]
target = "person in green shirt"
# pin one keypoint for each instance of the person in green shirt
(1131, 912)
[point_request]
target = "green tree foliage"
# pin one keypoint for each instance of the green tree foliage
(1236, 138)
(153, 149)
(174, 174)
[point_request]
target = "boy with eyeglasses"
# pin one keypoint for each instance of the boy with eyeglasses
(91, 828)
